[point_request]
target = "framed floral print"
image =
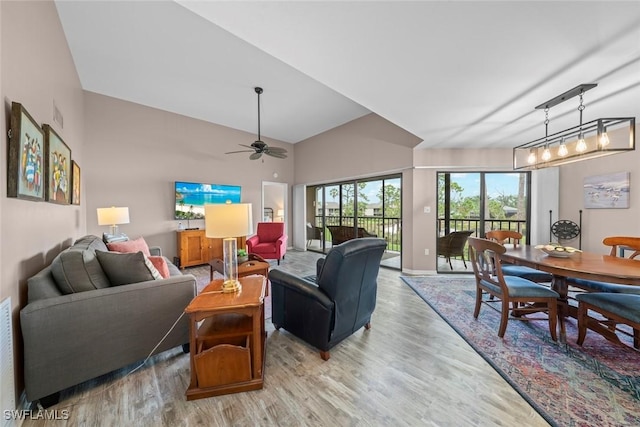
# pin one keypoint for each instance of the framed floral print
(57, 167)
(75, 183)
(25, 159)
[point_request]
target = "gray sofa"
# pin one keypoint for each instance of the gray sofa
(77, 326)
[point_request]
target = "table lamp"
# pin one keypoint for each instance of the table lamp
(113, 216)
(228, 221)
(280, 214)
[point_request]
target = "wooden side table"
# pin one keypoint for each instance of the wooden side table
(227, 348)
(255, 265)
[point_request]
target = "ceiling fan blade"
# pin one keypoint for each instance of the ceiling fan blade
(248, 146)
(255, 156)
(277, 150)
(241, 151)
(276, 155)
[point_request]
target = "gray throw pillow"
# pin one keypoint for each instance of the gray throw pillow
(126, 268)
(78, 271)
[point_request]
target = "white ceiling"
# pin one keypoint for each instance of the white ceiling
(455, 74)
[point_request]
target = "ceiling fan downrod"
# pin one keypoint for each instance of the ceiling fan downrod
(258, 91)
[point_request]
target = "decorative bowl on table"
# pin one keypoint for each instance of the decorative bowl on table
(558, 251)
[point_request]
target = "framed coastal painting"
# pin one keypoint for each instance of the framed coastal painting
(75, 183)
(25, 159)
(57, 167)
(607, 191)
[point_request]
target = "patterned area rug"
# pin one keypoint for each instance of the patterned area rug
(569, 385)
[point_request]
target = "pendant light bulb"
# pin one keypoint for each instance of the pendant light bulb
(604, 139)
(546, 154)
(532, 156)
(562, 150)
(581, 146)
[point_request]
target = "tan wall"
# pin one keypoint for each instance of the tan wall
(135, 153)
(366, 146)
(600, 223)
(36, 70)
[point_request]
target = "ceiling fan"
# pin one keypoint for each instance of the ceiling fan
(258, 147)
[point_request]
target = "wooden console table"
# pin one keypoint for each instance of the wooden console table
(227, 348)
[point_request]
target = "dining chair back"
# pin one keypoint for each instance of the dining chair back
(505, 237)
(511, 292)
(514, 237)
(619, 245)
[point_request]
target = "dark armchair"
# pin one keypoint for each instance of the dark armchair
(337, 303)
(452, 245)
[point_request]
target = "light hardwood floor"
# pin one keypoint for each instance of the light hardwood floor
(410, 369)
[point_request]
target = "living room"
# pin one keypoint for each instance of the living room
(131, 154)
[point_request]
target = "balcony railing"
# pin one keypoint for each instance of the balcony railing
(390, 228)
(387, 228)
(460, 224)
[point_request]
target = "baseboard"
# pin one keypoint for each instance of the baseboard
(410, 272)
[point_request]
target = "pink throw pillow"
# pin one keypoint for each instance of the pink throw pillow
(137, 245)
(161, 265)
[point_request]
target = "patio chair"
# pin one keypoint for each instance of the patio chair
(313, 233)
(452, 245)
(513, 237)
(509, 291)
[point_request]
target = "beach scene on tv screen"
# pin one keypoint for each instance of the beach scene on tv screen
(191, 198)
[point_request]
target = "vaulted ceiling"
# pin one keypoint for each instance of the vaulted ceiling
(453, 73)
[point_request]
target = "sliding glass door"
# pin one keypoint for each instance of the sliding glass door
(478, 201)
(354, 209)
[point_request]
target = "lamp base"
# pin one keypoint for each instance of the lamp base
(231, 286)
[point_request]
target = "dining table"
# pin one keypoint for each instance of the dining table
(581, 265)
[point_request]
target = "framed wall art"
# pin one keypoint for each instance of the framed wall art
(25, 160)
(607, 191)
(58, 167)
(75, 183)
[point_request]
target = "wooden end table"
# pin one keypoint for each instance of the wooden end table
(255, 265)
(227, 348)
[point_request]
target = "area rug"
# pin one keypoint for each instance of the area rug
(593, 385)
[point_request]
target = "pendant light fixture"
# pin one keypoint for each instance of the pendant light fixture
(589, 140)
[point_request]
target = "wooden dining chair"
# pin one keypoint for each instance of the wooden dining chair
(513, 237)
(616, 308)
(510, 291)
(618, 244)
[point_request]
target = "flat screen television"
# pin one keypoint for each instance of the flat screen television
(191, 198)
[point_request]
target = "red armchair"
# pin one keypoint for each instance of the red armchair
(270, 241)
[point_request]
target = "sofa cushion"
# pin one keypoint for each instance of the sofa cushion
(126, 268)
(160, 263)
(136, 245)
(92, 243)
(78, 271)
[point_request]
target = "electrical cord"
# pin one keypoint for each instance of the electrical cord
(141, 363)
(131, 371)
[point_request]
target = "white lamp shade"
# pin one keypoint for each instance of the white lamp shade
(280, 212)
(113, 216)
(228, 220)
